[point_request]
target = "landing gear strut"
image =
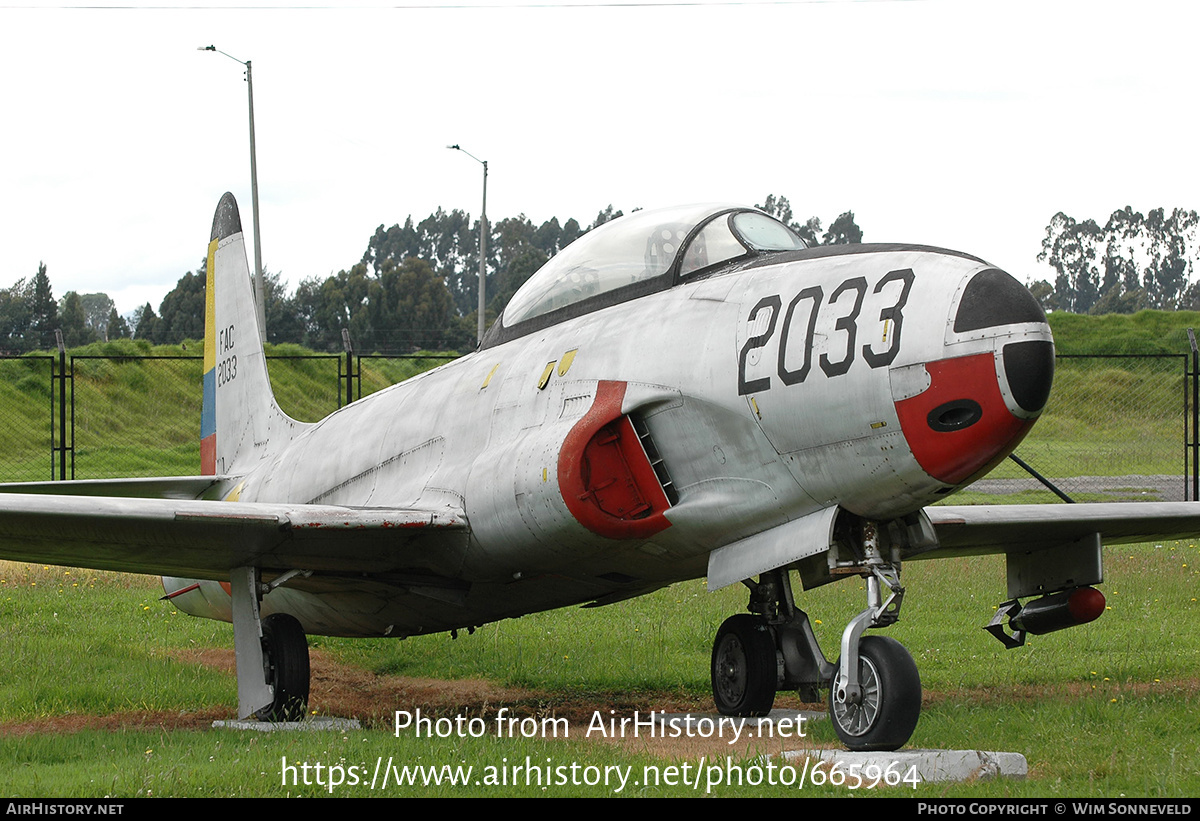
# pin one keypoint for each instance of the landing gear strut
(874, 689)
(272, 655)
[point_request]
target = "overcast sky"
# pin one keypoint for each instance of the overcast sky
(945, 122)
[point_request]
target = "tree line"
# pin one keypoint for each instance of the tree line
(414, 288)
(1133, 262)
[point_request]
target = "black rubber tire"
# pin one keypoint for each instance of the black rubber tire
(891, 704)
(285, 653)
(744, 670)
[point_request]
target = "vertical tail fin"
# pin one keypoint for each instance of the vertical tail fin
(239, 420)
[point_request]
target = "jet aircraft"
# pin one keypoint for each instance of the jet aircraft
(680, 393)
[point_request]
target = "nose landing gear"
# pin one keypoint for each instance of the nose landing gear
(874, 689)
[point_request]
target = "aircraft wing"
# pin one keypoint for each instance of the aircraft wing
(205, 539)
(978, 529)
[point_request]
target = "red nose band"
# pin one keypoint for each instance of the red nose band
(960, 424)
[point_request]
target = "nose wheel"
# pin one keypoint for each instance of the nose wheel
(883, 713)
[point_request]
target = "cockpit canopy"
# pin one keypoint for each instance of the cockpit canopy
(653, 249)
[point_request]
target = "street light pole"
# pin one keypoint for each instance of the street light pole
(259, 291)
(482, 237)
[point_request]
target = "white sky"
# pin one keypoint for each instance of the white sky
(945, 122)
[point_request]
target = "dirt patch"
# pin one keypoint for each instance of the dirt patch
(140, 720)
(351, 692)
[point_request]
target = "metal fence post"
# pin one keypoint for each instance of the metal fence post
(62, 411)
(1195, 439)
(348, 347)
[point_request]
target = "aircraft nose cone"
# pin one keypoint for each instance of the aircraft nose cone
(1029, 373)
(969, 410)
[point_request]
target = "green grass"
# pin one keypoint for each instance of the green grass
(1107, 709)
(1146, 332)
(137, 409)
(76, 642)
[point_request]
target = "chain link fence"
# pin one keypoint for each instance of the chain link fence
(1115, 427)
(29, 418)
(98, 417)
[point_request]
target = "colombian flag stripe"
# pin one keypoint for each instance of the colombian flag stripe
(208, 407)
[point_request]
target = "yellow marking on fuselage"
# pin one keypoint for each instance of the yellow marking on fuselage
(491, 373)
(564, 364)
(544, 379)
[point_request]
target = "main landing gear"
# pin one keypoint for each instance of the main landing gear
(874, 688)
(272, 655)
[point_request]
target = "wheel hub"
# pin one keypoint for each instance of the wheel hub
(857, 717)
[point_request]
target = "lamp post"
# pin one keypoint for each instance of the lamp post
(259, 296)
(482, 237)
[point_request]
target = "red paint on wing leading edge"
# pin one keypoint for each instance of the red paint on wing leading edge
(604, 476)
(956, 455)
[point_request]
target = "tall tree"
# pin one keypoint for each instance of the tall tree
(43, 312)
(336, 302)
(1073, 250)
(146, 326)
(96, 308)
(284, 323)
(411, 308)
(16, 312)
(73, 321)
(843, 231)
(181, 313)
(117, 327)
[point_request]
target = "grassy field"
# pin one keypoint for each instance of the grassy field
(1108, 709)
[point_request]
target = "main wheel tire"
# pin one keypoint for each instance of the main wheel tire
(744, 670)
(285, 653)
(891, 698)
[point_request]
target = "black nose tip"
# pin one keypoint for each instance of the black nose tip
(1029, 369)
